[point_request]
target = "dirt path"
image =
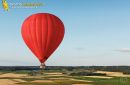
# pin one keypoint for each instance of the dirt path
(7, 82)
(42, 81)
(114, 74)
(12, 75)
(81, 80)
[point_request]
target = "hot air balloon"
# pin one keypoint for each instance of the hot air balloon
(42, 33)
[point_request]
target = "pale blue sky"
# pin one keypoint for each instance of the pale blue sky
(97, 33)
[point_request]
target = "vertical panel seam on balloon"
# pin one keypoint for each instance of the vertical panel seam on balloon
(29, 31)
(46, 36)
(36, 33)
(56, 36)
(32, 21)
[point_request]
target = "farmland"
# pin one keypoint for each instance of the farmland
(64, 76)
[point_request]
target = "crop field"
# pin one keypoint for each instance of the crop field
(54, 77)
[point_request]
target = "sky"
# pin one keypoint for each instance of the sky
(97, 32)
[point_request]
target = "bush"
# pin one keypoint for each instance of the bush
(87, 74)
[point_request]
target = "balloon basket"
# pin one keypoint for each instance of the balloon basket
(40, 72)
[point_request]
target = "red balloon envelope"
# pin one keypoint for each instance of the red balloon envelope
(42, 33)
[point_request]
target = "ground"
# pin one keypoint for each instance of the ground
(60, 78)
